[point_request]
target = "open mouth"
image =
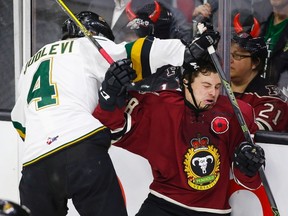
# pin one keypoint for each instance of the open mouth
(207, 104)
(210, 102)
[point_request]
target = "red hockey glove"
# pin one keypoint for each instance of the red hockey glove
(248, 158)
(113, 90)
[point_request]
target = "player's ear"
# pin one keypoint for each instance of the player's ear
(185, 82)
(255, 63)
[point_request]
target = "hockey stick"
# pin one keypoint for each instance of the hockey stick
(242, 123)
(85, 31)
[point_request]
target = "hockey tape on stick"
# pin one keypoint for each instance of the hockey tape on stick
(240, 118)
(85, 31)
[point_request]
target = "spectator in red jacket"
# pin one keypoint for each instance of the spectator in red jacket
(248, 55)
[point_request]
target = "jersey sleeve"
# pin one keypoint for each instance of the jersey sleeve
(114, 120)
(120, 121)
(148, 54)
(18, 113)
(271, 114)
(131, 129)
(18, 118)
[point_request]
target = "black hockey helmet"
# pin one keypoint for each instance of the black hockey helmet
(92, 22)
(13, 209)
(151, 20)
(246, 35)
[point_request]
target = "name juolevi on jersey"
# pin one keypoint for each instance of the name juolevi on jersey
(57, 89)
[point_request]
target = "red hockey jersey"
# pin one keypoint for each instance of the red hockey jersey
(190, 153)
(271, 111)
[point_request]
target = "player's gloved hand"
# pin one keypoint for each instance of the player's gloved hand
(113, 90)
(248, 158)
(11, 208)
(197, 49)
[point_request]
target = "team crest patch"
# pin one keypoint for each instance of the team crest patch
(202, 164)
(219, 125)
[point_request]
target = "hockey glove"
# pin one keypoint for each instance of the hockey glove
(113, 90)
(248, 158)
(197, 50)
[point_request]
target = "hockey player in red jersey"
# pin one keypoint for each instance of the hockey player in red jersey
(192, 139)
(248, 55)
(58, 92)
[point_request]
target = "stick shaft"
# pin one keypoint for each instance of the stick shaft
(243, 125)
(85, 31)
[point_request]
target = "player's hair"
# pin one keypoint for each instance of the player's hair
(203, 67)
(92, 22)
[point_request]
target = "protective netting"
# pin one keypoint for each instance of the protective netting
(7, 80)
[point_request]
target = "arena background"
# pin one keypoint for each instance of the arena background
(26, 25)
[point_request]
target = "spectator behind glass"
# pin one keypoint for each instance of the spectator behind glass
(248, 55)
(196, 11)
(171, 20)
(259, 8)
(156, 20)
(204, 10)
(113, 11)
(275, 31)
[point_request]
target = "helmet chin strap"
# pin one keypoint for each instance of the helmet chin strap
(194, 106)
(188, 86)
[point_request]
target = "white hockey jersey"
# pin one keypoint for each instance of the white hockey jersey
(58, 90)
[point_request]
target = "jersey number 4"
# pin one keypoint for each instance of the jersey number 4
(42, 90)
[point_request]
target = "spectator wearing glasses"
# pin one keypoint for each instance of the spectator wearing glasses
(248, 55)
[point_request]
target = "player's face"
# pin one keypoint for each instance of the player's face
(241, 65)
(206, 89)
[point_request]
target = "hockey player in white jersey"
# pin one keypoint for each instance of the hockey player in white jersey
(65, 147)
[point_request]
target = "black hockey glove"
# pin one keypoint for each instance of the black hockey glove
(248, 158)
(113, 90)
(197, 50)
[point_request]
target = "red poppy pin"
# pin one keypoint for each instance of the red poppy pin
(219, 125)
